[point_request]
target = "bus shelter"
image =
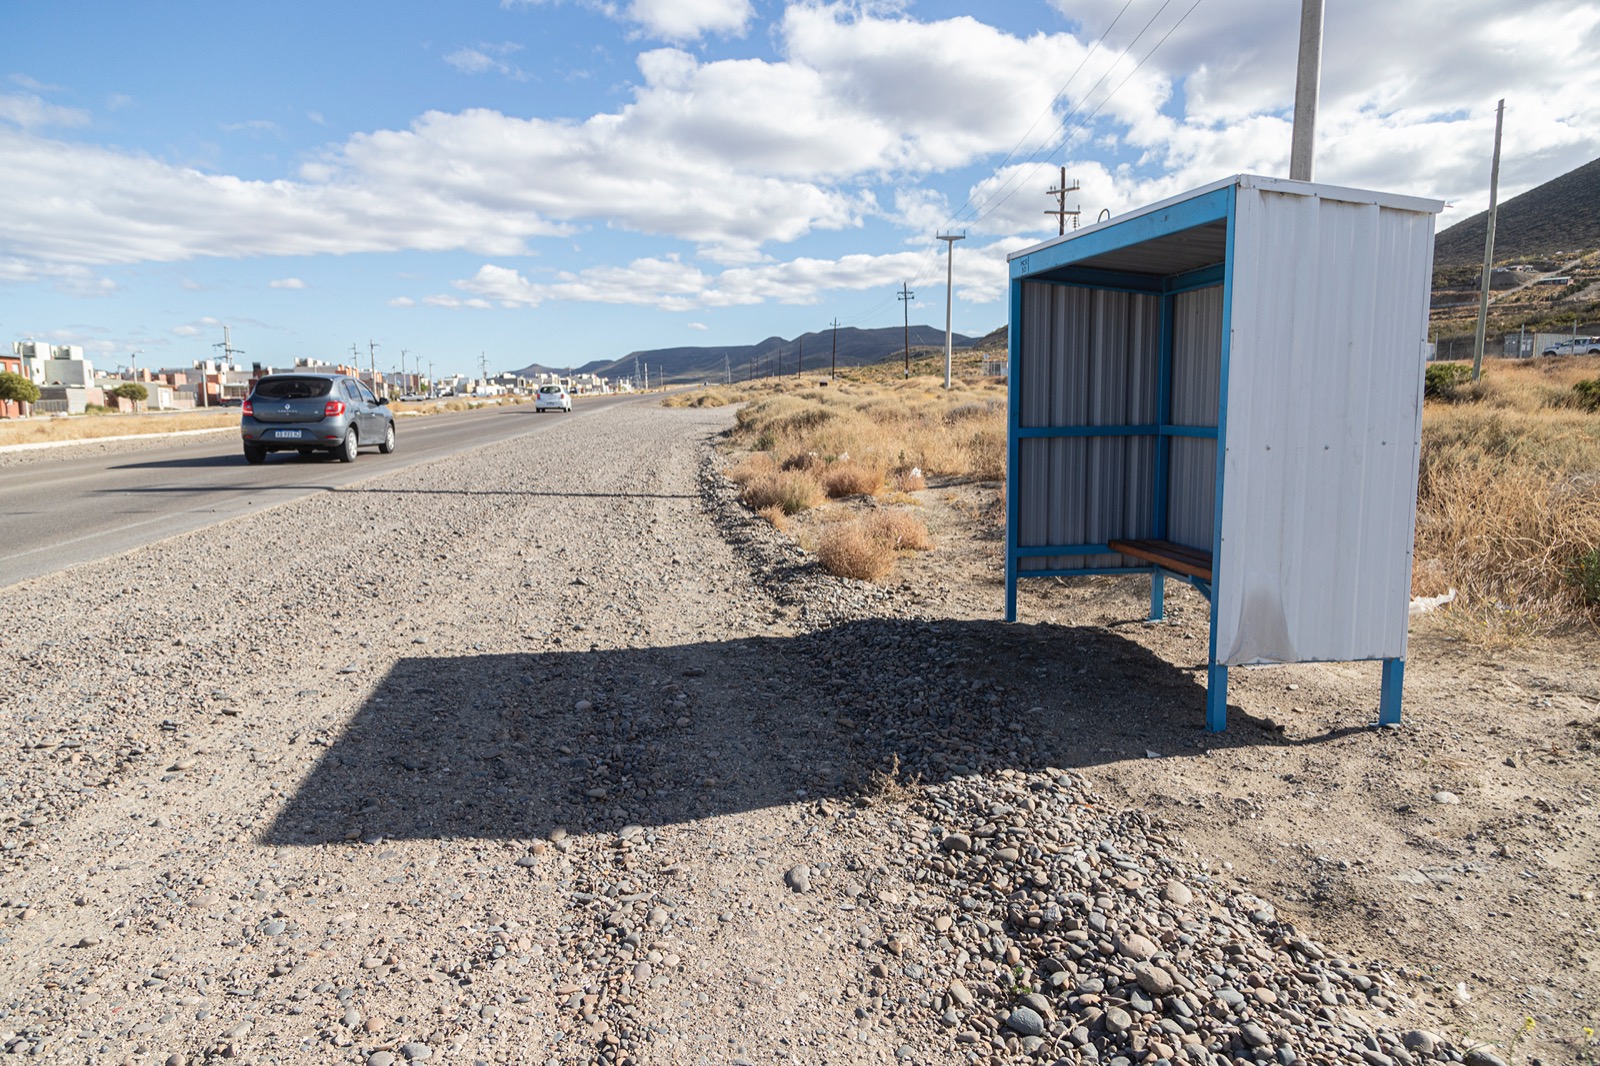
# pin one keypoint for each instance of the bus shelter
(1225, 389)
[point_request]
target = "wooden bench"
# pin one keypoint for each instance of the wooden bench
(1169, 556)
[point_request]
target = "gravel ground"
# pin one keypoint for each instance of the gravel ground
(553, 754)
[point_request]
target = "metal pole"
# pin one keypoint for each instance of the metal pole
(1488, 246)
(949, 290)
(1307, 84)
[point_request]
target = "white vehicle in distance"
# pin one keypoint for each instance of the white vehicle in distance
(552, 398)
(1576, 346)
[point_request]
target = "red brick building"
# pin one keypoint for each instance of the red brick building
(11, 364)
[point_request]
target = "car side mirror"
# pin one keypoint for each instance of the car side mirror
(384, 400)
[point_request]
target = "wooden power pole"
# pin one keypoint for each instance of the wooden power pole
(1488, 247)
(906, 296)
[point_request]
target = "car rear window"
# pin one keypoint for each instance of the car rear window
(549, 388)
(293, 388)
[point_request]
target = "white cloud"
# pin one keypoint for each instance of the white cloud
(402, 301)
(685, 20)
(669, 20)
(669, 284)
(701, 326)
(864, 106)
(256, 126)
(31, 112)
(488, 58)
(286, 283)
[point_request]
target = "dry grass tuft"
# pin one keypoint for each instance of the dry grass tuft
(752, 466)
(910, 480)
(891, 784)
(853, 477)
(901, 530)
(79, 427)
(792, 491)
(847, 549)
(696, 399)
(775, 517)
(1508, 507)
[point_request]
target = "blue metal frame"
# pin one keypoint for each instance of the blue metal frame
(1057, 264)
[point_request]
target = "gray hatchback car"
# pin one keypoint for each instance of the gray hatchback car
(310, 413)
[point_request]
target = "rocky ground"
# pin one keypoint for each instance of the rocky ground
(553, 754)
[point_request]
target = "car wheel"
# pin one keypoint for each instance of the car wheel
(388, 440)
(347, 454)
(254, 454)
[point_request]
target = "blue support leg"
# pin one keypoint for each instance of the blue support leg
(1394, 676)
(1158, 589)
(1216, 698)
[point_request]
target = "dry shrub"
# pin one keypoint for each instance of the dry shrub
(775, 516)
(848, 550)
(901, 530)
(752, 466)
(852, 477)
(810, 462)
(78, 427)
(792, 491)
(910, 480)
(696, 399)
(1508, 507)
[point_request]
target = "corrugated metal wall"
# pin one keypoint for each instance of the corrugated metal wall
(1196, 398)
(1088, 358)
(1323, 429)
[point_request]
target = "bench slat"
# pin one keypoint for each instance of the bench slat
(1178, 558)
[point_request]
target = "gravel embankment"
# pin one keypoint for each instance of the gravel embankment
(551, 754)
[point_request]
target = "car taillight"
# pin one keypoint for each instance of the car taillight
(333, 408)
(247, 408)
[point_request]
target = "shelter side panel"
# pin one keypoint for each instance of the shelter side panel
(1320, 466)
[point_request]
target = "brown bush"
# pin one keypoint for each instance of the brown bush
(752, 466)
(901, 530)
(910, 480)
(848, 550)
(791, 490)
(810, 462)
(775, 516)
(852, 477)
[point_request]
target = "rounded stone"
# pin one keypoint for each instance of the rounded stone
(1026, 1022)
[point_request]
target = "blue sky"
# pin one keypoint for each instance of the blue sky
(559, 181)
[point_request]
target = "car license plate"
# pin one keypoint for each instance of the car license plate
(292, 434)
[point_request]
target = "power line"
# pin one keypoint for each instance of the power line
(1009, 187)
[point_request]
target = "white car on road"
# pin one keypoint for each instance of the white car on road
(552, 398)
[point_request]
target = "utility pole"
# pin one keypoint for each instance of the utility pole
(1061, 212)
(404, 388)
(834, 371)
(1488, 246)
(483, 368)
(430, 377)
(906, 296)
(1307, 85)
(228, 352)
(800, 358)
(372, 363)
(727, 369)
(950, 240)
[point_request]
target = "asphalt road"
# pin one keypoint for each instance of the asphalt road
(61, 512)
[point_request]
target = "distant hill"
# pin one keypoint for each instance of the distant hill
(1562, 215)
(857, 347)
